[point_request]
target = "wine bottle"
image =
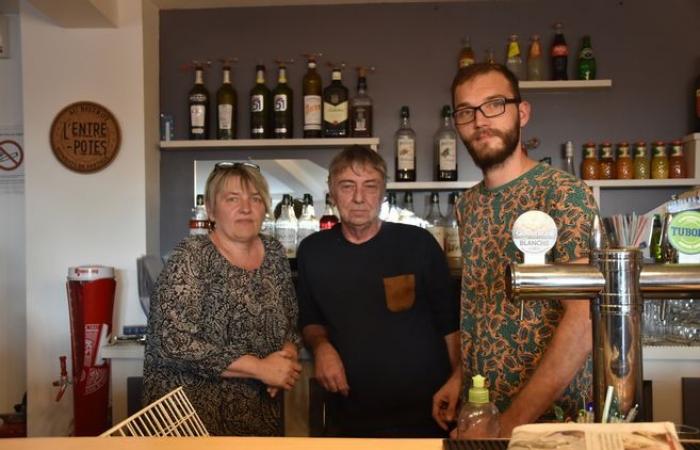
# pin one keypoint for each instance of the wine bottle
(335, 107)
(283, 99)
(405, 139)
(436, 223)
(226, 107)
(445, 143)
(312, 90)
(198, 98)
(260, 106)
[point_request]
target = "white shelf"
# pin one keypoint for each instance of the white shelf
(430, 185)
(669, 352)
(636, 184)
(268, 143)
(563, 85)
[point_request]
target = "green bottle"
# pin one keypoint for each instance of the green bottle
(586, 67)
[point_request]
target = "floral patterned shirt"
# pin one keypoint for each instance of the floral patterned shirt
(495, 343)
(205, 313)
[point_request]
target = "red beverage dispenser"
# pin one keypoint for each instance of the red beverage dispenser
(90, 301)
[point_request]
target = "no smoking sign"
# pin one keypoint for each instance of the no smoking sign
(11, 155)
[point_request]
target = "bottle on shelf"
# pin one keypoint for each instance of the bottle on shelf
(436, 222)
(641, 161)
(514, 60)
(466, 54)
(490, 57)
(361, 107)
(560, 54)
(655, 241)
(535, 61)
(283, 104)
(392, 211)
(268, 226)
(260, 105)
(328, 219)
(335, 107)
(312, 90)
(408, 212)
(624, 166)
(586, 65)
(569, 158)
(226, 105)
(445, 144)
(199, 223)
(453, 244)
(677, 167)
(198, 99)
(308, 222)
(589, 166)
(659, 161)
(405, 139)
(478, 416)
(606, 165)
(286, 226)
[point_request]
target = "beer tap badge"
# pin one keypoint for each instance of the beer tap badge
(534, 233)
(684, 232)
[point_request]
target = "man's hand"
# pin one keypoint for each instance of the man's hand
(445, 401)
(330, 371)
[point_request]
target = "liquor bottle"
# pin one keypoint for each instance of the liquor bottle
(199, 223)
(268, 225)
(407, 214)
(624, 166)
(453, 245)
(466, 54)
(445, 143)
(606, 165)
(514, 61)
(227, 106)
(586, 65)
(391, 212)
(641, 161)
(329, 219)
(535, 61)
(676, 163)
(312, 90)
(260, 106)
(589, 166)
(436, 223)
(405, 139)
(569, 158)
(659, 161)
(560, 54)
(283, 101)
(308, 222)
(361, 108)
(198, 98)
(286, 226)
(335, 107)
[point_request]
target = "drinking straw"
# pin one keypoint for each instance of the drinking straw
(606, 405)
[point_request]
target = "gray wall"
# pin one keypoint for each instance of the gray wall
(650, 49)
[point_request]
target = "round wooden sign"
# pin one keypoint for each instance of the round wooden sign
(85, 137)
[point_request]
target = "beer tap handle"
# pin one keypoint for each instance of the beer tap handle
(522, 309)
(596, 241)
(63, 382)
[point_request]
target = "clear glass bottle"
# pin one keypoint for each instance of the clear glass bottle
(198, 99)
(514, 60)
(308, 222)
(466, 54)
(445, 143)
(490, 57)
(478, 418)
(677, 167)
(283, 106)
(408, 212)
(535, 61)
(606, 165)
(311, 90)
(624, 166)
(641, 161)
(436, 222)
(589, 166)
(226, 106)
(260, 99)
(405, 139)
(286, 226)
(329, 218)
(361, 108)
(659, 161)
(268, 225)
(569, 158)
(336, 112)
(453, 244)
(199, 223)
(392, 211)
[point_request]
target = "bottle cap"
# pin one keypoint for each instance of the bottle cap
(478, 393)
(446, 111)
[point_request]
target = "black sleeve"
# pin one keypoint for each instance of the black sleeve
(309, 312)
(443, 302)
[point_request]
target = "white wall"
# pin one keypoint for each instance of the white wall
(12, 274)
(75, 219)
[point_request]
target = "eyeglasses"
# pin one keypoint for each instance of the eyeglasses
(236, 165)
(490, 108)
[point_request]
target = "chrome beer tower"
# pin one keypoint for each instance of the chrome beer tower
(616, 282)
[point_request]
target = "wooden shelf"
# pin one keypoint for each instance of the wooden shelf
(310, 143)
(564, 85)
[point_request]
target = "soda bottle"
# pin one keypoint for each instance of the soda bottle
(560, 54)
(514, 61)
(586, 66)
(535, 62)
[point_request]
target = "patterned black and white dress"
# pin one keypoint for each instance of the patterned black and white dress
(205, 313)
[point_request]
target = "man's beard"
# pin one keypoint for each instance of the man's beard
(493, 158)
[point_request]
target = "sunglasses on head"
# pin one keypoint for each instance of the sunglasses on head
(236, 165)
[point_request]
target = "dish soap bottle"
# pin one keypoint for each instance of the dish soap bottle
(478, 418)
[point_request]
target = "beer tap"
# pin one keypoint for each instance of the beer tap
(615, 282)
(63, 382)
